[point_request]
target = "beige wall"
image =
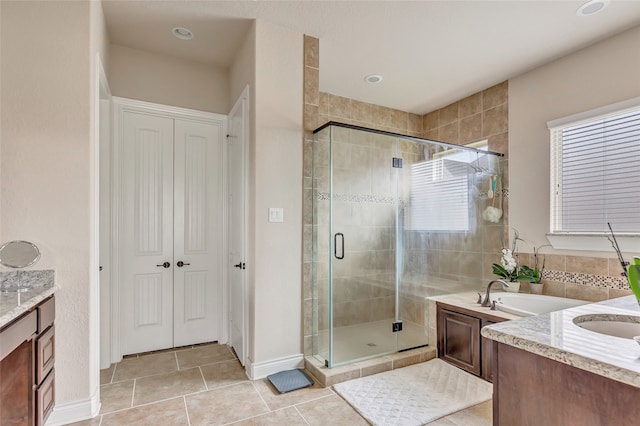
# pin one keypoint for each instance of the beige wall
(277, 182)
(162, 79)
(243, 70)
(99, 56)
(599, 75)
(47, 165)
(596, 76)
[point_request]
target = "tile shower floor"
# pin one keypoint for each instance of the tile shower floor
(370, 338)
(206, 385)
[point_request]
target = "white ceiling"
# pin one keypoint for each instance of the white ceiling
(431, 53)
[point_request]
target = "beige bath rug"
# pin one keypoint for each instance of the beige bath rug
(414, 395)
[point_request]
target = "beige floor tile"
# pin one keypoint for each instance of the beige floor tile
(203, 355)
(223, 373)
(442, 422)
(478, 415)
(168, 385)
(91, 422)
(107, 374)
(116, 396)
(146, 365)
(330, 410)
(287, 416)
(169, 413)
(276, 400)
(225, 405)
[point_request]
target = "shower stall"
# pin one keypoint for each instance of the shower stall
(396, 219)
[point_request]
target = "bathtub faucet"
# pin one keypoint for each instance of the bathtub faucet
(486, 302)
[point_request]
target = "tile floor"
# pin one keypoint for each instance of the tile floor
(206, 385)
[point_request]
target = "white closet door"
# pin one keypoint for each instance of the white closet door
(146, 238)
(197, 247)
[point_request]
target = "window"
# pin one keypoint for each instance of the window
(595, 171)
(440, 199)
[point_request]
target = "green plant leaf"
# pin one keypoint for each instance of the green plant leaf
(499, 270)
(529, 274)
(634, 279)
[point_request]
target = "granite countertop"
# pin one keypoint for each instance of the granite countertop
(556, 337)
(39, 284)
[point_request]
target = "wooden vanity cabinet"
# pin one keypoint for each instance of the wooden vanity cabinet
(44, 361)
(16, 381)
(460, 342)
(27, 377)
(486, 355)
(530, 389)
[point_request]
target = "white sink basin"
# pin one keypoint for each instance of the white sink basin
(625, 326)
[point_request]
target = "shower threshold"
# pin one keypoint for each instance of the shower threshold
(330, 376)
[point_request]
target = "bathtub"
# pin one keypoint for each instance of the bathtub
(525, 305)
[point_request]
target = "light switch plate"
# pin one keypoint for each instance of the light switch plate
(276, 214)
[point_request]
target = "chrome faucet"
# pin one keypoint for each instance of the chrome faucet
(486, 302)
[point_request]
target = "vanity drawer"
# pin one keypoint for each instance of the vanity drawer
(46, 314)
(45, 354)
(20, 331)
(45, 399)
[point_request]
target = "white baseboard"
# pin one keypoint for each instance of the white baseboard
(260, 370)
(75, 411)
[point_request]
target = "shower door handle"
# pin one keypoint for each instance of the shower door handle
(335, 245)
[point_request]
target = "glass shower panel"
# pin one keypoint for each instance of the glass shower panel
(396, 220)
(412, 268)
(447, 244)
(362, 246)
(321, 230)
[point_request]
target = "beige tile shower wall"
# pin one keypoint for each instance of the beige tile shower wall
(311, 107)
(484, 115)
(349, 111)
(481, 116)
(366, 291)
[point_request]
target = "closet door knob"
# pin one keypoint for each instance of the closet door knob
(181, 264)
(164, 265)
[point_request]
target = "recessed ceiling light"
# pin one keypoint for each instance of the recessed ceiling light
(591, 7)
(182, 33)
(373, 78)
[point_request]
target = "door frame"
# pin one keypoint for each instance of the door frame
(104, 213)
(242, 102)
(119, 107)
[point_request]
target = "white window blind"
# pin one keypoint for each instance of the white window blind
(439, 197)
(595, 174)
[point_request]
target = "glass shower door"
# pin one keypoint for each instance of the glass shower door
(362, 245)
(396, 220)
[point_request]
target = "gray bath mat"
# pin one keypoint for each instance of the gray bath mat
(290, 380)
(414, 395)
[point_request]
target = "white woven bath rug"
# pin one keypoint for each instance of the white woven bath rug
(414, 395)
